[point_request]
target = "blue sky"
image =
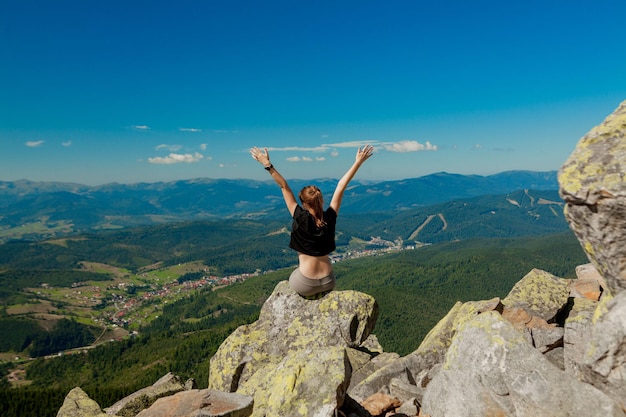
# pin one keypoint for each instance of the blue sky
(143, 91)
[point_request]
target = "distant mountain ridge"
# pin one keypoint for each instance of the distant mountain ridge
(35, 210)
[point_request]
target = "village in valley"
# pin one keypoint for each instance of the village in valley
(123, 305)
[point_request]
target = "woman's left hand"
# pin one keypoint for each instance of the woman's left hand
(362, 154)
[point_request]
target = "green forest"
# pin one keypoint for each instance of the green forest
(470, 250)
(414, 289)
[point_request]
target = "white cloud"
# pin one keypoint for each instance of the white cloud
(222, 131)
(305, 159)
(142, 127)
(189, 129)
(34, 143)
(67, 144)
(477, 146)
(171, 148)
(322, 148)
(175, 158)
(334, 153)
(203, 146)
(350, 144)
(408, 146)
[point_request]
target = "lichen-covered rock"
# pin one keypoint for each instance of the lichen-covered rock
(206, 403)
(588, 271)
(131, 405)
(78, 404)
(604, 364)
(490, 369)
(308, 383)
(592, 184)
(428, 355)
(585, 288)
(289, 323)
(540, 293)
(363, 364)
(577, 331)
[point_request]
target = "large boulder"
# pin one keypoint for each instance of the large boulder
(577, 332)
(604, 363)
(593, 185)
(311, 383)
(78, 404)
(414, 371)
(206, 402)
(540, 294)
(131, 405)
(491, 369)
(297, 336)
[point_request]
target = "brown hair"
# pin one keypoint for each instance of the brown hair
(312, 197)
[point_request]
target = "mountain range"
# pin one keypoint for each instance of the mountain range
(35, 210)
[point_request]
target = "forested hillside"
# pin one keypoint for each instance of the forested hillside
(414, 289)
(85, 277)
(159, 289)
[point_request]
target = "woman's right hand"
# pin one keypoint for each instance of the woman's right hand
(261, 156)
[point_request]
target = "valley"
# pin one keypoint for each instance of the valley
(113, 310)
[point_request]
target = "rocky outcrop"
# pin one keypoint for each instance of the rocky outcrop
(552, 347)
(491, 363)
(294, 358)
(206, 402)
(592, 184)
(145, 397)
(604, 362)
(78, 404)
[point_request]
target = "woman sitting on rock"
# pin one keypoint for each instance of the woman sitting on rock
(313, 228)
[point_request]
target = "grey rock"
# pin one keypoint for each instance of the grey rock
(588, 271)
(409, 407)
(430, 352)
(577, 332)
(557, 357)
(201, 403)
(287, 324)
(490, 369)
(546, 339)
(78, 404)
(592, 184)
(604, 363)
(539, 293)
(131, 405)
(311, 382)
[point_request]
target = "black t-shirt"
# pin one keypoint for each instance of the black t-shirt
(309, 239)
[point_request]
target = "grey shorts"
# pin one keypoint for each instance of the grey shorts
(307, 287)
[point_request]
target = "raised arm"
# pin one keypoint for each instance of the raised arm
(263, 157)
(362, 155)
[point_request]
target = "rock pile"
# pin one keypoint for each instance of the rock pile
(551, 347)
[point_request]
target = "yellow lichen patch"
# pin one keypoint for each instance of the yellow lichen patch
(245, 341)
(589, 248)
(438, 337)
(301, 384)
(580, 309)
(589, 171)
(602, 308)
(539, 292)
(491, 326)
